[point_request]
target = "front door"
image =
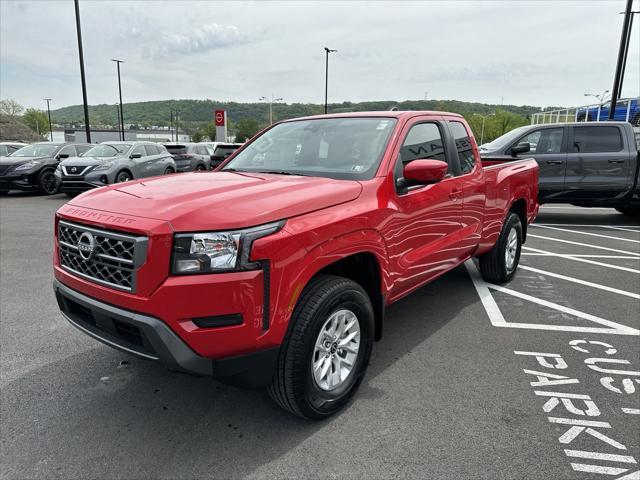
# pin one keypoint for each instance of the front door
(598, 166)
(549, 150)
(421, 235)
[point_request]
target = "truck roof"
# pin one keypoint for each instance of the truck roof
(381, 114)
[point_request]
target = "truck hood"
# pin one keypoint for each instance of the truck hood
(220, 200)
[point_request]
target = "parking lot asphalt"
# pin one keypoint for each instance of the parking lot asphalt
(536, 379)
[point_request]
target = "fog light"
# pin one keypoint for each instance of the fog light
(104, 179)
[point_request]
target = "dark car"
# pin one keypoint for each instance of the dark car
(32, 167)
(113, 162)
(189, 157)
(7, 148)
(591, 164)
(220, 151)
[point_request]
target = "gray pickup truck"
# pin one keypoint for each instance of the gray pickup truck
(593, 164)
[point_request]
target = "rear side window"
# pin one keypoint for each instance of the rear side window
(151, 149)
(596, 139)
(464, 147)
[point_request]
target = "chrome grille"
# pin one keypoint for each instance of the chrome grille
(73, 171)
(115, 256)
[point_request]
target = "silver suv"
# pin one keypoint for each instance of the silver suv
(113, 162)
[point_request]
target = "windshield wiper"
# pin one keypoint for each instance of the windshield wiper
(282, 172)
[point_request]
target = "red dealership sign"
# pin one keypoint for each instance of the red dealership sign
(219, 116)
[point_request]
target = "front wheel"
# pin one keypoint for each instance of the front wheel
(500, 263)
(123, 176)
(326, 351)
(168, 171)
(47, 183)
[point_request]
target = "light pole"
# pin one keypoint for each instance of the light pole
(484, 117)
(601, 99)
(84, 84)
(49, 114)
(118, 62)
(326, 76)
(271, 101)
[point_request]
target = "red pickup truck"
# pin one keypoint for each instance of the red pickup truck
(276, 268)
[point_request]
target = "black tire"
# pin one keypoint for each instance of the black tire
(293, 386)
(629, 211)
(47, 183)
(123, 176)
(168, 171)
(493, 264)
(200, 168)
(71, 194)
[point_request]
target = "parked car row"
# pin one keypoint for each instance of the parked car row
(71, 168)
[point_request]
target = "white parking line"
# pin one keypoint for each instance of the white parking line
(588, 233)
(584, 260)
(581, 282)
(497, 318)
(583, 244)
(615, 227)
(626, 229)
(581, 255)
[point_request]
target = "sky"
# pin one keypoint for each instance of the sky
(513, 52)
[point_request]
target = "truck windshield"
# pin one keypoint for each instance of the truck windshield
(340, 148)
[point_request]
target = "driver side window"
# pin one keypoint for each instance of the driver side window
(545, 141)
(139, 149)
(424, 141)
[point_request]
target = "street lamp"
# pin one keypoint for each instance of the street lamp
(87, 128)
(601, 99)
(271, 101)
(326, 76)
(118, 62)
(49, 114)
(484, 117)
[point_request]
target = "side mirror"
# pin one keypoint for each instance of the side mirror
(520, 148)
(63, 155)
(135, 155)
(425, 171)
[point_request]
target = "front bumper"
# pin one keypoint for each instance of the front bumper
(26, 182)
(86, 181)
(150, 338)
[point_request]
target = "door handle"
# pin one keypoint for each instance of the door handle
(616, 160)
(455, 195)
(553, 162)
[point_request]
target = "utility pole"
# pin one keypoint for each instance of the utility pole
(326, 77)
(49, 114)
(622, 58)
(177, 113)
(171, 123)
(484, 117)
(82, 79)
(118, 62)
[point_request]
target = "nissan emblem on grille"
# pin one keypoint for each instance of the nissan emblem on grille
(86, 245)
(74, 169)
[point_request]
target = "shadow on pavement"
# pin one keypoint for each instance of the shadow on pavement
(98, 419)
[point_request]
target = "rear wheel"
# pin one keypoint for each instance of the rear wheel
(168, 171)
(47, 183)
(499, 265)
(123, 176)
(326, 351)
(629, 211)
(200, 168)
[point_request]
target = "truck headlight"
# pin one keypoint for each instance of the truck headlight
(215, 252)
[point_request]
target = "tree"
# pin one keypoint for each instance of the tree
(196, 136)
(209, 131)
(246, 129)
(37, 120)
(10, 107)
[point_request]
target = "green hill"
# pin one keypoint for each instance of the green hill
(158, 112)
